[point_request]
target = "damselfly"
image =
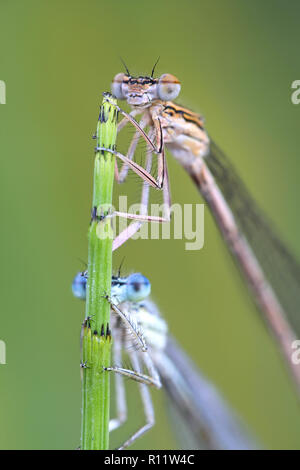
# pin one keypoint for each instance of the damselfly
(209, 420)
(270, 270)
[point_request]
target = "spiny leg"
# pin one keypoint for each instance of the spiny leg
(138, 169)
(122, 173)
(161, 155)
(129, 231)
(148, 408)
(136, 375)
(129, 322)
(125, 120)
(120, 176)
(131, 151)
(121, 405)
(134, 122)
(143, 379)
(158, 149)
(152, 369)
(144, 174)
(167, 192)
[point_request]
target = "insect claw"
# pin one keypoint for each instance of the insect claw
(83, 365)
(105, 295)
(99, 149)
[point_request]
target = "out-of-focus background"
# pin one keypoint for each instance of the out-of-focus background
(236, 61)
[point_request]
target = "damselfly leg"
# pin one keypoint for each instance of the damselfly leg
(120, 392)
(130, 323)
(144, 382)
(162, 180)
(139, 219)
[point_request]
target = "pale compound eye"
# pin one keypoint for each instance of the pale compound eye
(168, 87)
(116, 86)
(79, 285)
(138, 287)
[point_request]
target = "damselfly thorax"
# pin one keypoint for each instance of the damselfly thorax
(182, 130)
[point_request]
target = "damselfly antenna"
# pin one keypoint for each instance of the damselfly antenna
(152, 73)
(126, 68)
(83, 262)
(120, 267)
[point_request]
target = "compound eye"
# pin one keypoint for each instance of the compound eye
(138, 287)
(116, 86)
(168, 87)
(79, 285)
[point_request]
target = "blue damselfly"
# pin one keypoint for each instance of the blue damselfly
(139, 331)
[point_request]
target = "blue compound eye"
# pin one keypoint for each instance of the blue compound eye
(138, 287)
(79, 286)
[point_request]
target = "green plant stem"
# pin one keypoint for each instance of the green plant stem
(96, 339)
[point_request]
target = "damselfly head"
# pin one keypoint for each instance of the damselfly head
(142, 91)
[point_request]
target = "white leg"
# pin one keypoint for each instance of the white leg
(161, 183)
(122, 174)
(152, 369)
(148, 408)
(136, 375)
(130, 323)
(120, 177)
(135, 226)
(119, 389)
(125, 120)
(132, 228)
(138, 169)
(131, 119)
(158, 149)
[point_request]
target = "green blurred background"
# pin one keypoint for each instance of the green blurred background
(236, 61)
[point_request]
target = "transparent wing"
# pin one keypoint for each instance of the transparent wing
(209, 420)
(279, 265)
